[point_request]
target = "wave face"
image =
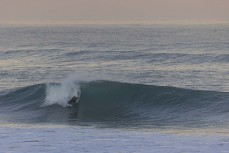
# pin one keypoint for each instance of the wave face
(115, 104)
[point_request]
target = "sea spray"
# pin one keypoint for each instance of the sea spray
(61, 93)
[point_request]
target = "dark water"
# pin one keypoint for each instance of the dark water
(153, 75)
(113, 104)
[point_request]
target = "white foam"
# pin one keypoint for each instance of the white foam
(61, 93)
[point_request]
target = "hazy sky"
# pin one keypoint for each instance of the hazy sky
(115, 10)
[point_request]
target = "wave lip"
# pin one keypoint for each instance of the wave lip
(115, 103)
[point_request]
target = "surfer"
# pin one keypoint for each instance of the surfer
(73, 100)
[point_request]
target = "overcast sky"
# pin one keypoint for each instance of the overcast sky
(114, 10)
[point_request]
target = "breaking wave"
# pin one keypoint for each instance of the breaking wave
(115, 104)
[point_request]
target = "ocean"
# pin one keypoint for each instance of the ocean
(140, 88)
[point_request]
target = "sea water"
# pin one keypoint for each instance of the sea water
(141, 88)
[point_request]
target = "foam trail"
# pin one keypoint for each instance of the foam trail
(61, 93)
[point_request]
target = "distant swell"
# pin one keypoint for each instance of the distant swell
(115, 103)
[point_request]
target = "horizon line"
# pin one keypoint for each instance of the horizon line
(112, 22)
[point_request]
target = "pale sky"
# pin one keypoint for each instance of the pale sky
(114, 10)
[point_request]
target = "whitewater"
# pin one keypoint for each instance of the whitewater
(141, 88)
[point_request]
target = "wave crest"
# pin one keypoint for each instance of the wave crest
(115, 102)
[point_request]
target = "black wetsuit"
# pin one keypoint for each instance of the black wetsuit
(72, 101)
